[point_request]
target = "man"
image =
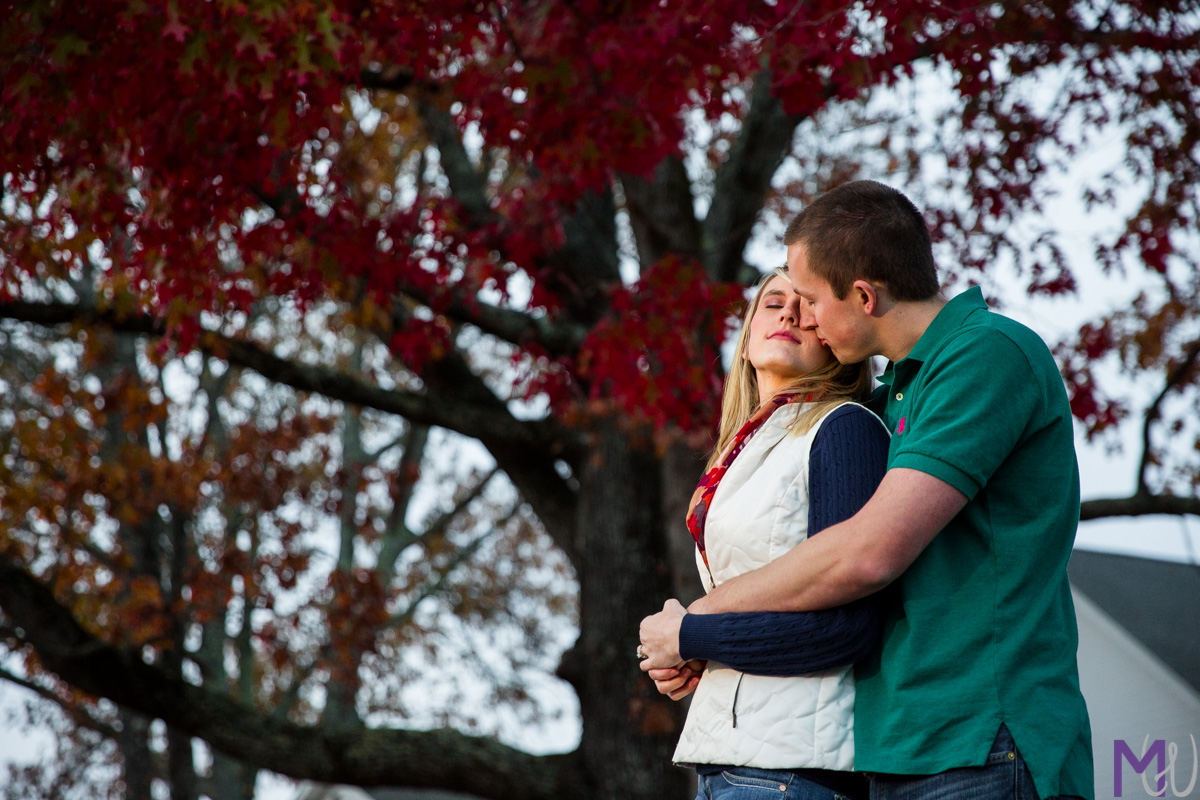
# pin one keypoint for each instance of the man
(970, 529)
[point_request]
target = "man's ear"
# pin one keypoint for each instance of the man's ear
(867, 296)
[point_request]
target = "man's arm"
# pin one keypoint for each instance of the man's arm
(851, 559)
(920, 494)
(847, 461)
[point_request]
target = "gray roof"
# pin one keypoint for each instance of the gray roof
(418, 794)
(1158, 602)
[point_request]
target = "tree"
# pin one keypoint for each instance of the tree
(349, 225)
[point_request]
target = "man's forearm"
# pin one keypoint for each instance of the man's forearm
(851, 559)
(818, 573)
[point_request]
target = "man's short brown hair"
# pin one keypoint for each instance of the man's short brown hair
(866, 230)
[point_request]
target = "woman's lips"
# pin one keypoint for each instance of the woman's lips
(783, 335)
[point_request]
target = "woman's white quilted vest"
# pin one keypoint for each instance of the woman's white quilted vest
(759, 512)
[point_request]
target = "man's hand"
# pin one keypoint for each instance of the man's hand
(660, 637)
(678, 682)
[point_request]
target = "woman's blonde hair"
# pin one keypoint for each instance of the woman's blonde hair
(831, 385)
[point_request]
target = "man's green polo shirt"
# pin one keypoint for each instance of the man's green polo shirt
(981, 629)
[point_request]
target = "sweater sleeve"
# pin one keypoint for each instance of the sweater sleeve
(846, 464)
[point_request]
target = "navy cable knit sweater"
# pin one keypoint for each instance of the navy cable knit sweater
(845, 465)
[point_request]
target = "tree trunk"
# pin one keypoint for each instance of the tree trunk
(137, 763)
(232, 779)
(682, 467)
(629, 730)
(181, 768)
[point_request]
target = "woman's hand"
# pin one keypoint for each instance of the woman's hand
(659, 635)
(678, 682)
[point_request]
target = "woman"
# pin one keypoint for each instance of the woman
(794, 455)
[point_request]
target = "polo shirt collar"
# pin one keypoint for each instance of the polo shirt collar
(946, 322)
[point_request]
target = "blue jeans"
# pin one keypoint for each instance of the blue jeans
(1003, 777)
(751, 783)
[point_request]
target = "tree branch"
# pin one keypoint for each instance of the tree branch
(441, 524)
(535, 478)
(1121, 41)
(558, 337)
(468, 418)
(468, 185)
(583, 270)
(79, 715)
(435, 587)
(391, 79)
(588, 258)
(743, 181)
(396, 534)
(443, 759)
(1138, 505)
(1178, 376)
(531, 470)
(661, 212)
(458, 400)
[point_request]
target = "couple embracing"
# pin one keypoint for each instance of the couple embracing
(887, 611)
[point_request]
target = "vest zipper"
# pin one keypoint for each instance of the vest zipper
(733, 707)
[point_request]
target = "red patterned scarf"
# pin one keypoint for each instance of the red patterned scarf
(707, 487)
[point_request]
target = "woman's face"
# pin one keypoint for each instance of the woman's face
(778, 348)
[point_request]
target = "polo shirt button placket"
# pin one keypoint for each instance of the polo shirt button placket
(899, 395)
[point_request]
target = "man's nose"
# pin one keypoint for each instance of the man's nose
(808, 320)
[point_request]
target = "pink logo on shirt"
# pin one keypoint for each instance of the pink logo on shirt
(900, 427)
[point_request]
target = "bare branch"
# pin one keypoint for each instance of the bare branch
(461, 556)
(558, 337)
(443, 759)
(457, 399)
(77, 714)
(396, 535)
(532, 470)
(492, 424)
(1117, 40)
(502, 20)
(1176, 378)
(743, 181)
(399, 536)
(443, 520)
(1138, 505)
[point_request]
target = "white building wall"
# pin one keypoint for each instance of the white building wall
(1130, 694)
